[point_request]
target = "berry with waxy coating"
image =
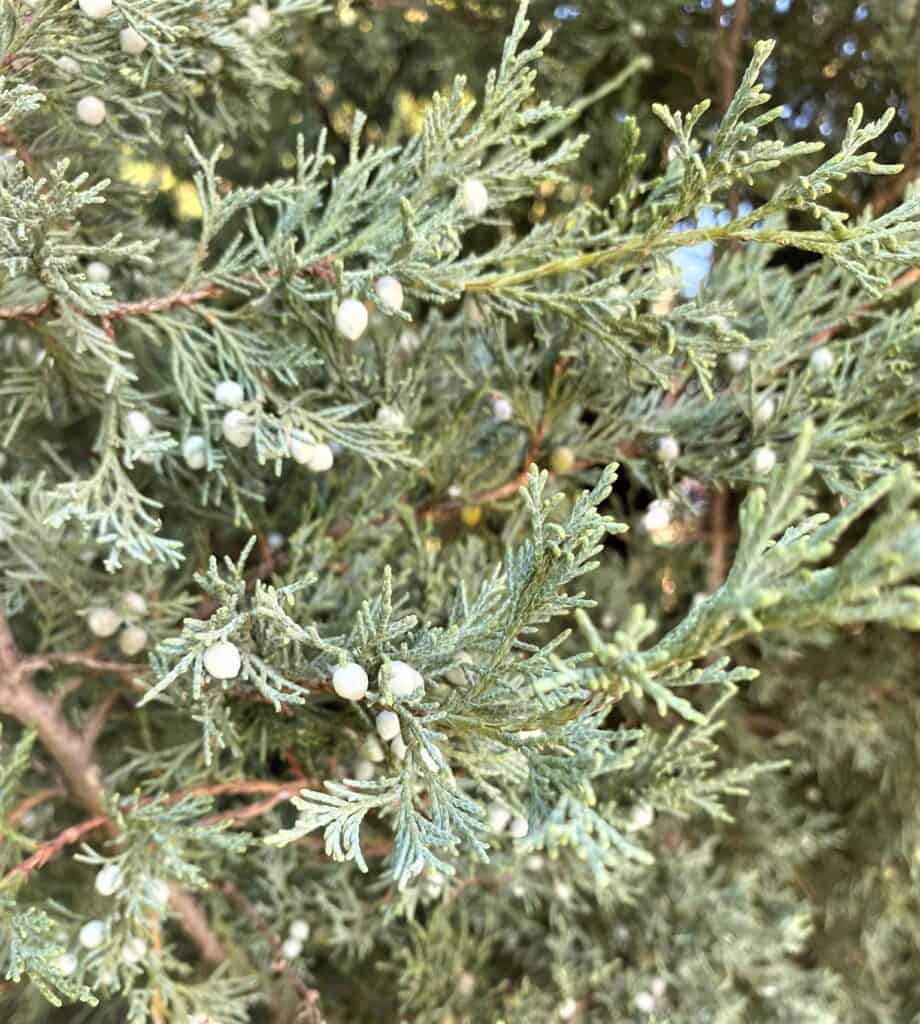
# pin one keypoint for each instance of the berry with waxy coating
(764, 412)
(237, 428)
(738, 360)
(108, 880)
(667, 449)
(390, 292)
(228, 393)
(223, 660)
(103, 622)
(91, 110)
(195, 451)
(98, 272)
(92, 934)
(403, 679)
(350, 681)
(132, 42)
(388, 725)
(351, 319)
(132, 640)
(821, 360)
(96, 8)
(474, 197)
(133, 603)
(764, 459)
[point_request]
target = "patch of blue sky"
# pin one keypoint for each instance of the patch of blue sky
(693, 262)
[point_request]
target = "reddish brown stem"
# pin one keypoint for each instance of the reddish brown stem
(234, 894)
(322, 269)
(729, 52)
(279, 791)
(238, 815)
(46, 851)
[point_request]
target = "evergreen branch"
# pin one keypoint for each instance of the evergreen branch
(21, 700)
(640, 249)
(772, 584)
(236, 896)
(34, 949)
(279, 791)
(183, 298)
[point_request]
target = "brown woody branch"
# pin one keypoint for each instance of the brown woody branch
(195, 924)
(718, 540)
(47, 850)
(29, 706)
(74, 755)
(309, 1010)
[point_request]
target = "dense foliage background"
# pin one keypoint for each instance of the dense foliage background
(765, 859)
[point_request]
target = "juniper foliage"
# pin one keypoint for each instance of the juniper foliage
(615, 739)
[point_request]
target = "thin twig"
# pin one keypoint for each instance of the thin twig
(30, 802)
(31, 311)
(321, 269)
(907, 278)
(195, 923)
(718, 540)
(156, 999)
(279, 790)
(79, 659)
(235, 895)
(240, 814)
(46, 851)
